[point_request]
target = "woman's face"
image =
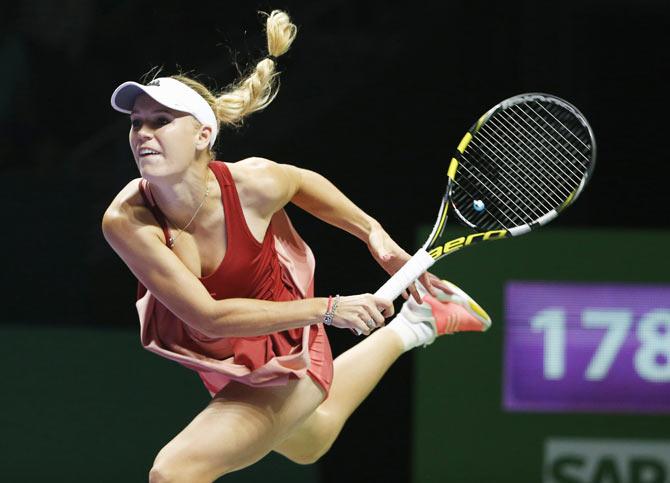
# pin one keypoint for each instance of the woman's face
(163, 141)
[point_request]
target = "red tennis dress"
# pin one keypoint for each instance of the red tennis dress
(280, 268)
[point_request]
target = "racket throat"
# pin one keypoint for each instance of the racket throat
(438, 228)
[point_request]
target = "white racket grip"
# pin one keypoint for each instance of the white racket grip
(400, 280)
(409, 272)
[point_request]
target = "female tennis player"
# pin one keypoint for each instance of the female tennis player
(225, 282)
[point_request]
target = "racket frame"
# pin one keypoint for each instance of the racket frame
(436, 247)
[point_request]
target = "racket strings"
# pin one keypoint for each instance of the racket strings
(514, 198)
(538, 182)
(542, 148)
(535, 193)
(514, 137)
(555, 184)
(478, 221)
(487, 184)
(577, 138)
(553, 141)
(548, 178)
(530, 201)
(509, 205)
(523, 162)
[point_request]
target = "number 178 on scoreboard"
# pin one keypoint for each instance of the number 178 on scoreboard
(587, 347)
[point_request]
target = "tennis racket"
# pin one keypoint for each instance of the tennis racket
(521, 164)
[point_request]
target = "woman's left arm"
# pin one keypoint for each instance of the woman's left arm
(318, 196)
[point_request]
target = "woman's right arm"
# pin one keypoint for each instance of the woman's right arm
(140, 245)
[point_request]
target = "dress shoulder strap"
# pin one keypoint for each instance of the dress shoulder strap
(236, 223)
(155, 210)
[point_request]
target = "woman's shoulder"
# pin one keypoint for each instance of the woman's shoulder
(255, 175)
(126, 208)
(250, 168)
(262, 183)
(126, 200)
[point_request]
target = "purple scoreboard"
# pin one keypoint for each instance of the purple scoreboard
(587, 347)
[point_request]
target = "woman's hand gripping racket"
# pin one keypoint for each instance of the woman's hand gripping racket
(521, 164)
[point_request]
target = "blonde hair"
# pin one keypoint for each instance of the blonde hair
(259, 88)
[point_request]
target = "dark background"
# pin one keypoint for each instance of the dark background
(375, 95)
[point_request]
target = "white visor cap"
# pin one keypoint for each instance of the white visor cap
(170, 93)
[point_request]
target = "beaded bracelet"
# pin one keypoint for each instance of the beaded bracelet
(330, 310)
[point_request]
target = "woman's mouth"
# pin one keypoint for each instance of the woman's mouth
(145, 152)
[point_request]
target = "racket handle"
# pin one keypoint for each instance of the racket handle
(400, 280)
(409, 272)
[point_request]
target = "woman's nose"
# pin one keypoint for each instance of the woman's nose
(145, 132)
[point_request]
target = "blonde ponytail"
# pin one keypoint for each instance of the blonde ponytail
(259, 88)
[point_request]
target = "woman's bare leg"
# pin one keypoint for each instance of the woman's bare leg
(357, 372)
(239, 426)
(359, 369)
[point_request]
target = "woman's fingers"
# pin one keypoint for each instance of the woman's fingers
(363, 313)
(373, 317)
(429, 281)
(384, 306)
(364, 323)
(414, 293)
(362, 328)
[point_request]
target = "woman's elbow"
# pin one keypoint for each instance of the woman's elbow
(210, 322)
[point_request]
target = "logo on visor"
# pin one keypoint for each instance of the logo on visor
(155, 82)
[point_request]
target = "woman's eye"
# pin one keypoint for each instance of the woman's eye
(154, 123)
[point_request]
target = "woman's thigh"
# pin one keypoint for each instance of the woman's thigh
(239, 426)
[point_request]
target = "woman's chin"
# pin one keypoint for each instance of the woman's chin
(157, 167)
(150, 160)
(152, 166)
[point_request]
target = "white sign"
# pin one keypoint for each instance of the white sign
(606, 461)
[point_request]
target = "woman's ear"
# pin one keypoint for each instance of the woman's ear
(204, 136)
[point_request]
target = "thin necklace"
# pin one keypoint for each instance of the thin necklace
(173, 239)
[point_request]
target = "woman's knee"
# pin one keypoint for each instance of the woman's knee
(163, 473)
(160, 474)
(176, 473)
(176, 468)
(167, 470)
(309, 456)
(313, 440)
